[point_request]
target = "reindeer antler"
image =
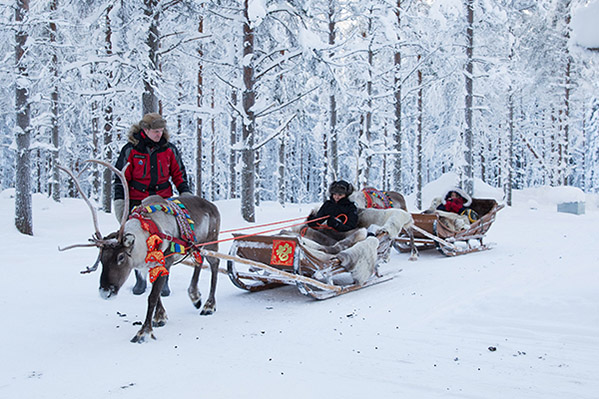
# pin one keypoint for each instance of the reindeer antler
(121, 175)
(98, 235)
(97, 238)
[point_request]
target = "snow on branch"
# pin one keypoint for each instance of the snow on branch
(272, 110)
(278, 62)
(275, 133)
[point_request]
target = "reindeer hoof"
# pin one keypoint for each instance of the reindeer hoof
(158, 323)
(141, 337)
(208, 309)
(196, 299)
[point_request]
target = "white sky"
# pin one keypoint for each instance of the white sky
(585, 25)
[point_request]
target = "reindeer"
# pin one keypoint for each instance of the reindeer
(127, 249)
(372, 198)
(386, 209)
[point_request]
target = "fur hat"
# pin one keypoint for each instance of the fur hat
(149, 121)
(341, 187)
(152, 121)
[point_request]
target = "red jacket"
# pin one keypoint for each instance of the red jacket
(454, 205)
(152, 167)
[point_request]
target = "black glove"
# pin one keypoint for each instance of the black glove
(333, 222)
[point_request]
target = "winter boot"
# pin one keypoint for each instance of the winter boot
(166, 291)
(140, 284)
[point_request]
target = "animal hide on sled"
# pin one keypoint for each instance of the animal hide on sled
(357, 252)
(359, 259)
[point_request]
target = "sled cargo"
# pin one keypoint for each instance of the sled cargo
(261, 262)
(431, 232)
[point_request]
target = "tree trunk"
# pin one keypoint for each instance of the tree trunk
(510, 150)
(397, 105)
(331, 158)
(248, 174)
(282, 161)
(232, 152)
(419, 142)
(368, 119)
(95, 126)
(213, 178)
(149, 98)
(108, 121)
(199, 121)
(565, 152)
(54, 68)
(23, 202)
(468, 175)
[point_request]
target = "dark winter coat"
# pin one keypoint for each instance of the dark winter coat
(343, 215)
(152, 168)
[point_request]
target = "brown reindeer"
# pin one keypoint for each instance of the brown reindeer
(128, 248)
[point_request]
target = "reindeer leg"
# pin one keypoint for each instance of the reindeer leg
(414, 250)
(210, 305)
(153, 300)
(193, 291)
(160, 317)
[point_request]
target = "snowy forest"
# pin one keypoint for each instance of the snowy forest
(271, 100)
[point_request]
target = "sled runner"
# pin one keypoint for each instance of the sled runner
(430, 231)
(261, 262)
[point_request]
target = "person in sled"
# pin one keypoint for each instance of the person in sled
(342, 213)
(335, 235)
(457, 202)
(154, 165)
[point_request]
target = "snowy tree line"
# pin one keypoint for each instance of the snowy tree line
(274, 99)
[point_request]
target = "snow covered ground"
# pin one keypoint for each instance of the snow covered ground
(428, 333)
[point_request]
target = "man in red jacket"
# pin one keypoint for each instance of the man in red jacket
(154, 165)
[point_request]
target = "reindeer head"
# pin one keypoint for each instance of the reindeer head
(116, 259)
(116, 248)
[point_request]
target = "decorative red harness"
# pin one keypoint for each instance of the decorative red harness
(157, 237)
(371, 193)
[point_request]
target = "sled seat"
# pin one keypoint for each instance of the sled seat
(436, 234)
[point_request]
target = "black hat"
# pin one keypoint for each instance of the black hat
(341, 187)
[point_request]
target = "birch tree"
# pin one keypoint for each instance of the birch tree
(23, 210)
(468, 74)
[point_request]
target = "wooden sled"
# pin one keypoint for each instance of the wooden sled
(430, 231)
(260, 262)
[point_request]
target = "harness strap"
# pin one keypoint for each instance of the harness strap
(149, 188)
(371, 193)
(178, 245)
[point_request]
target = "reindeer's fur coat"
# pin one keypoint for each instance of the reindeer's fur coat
(390, 221)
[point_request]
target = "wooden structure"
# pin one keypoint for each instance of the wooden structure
(261, 262)
(430, 231)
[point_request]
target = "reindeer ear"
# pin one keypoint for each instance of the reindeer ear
(128, 240)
